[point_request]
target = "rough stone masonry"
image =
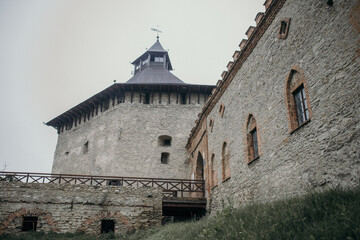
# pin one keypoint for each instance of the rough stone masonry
(78, 208)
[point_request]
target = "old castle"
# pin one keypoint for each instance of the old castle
(283, 120)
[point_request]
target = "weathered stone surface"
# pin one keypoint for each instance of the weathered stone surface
(123, 141)
(322, 42)
(78, 208)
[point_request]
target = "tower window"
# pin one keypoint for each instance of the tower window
(29, 223)
(211, 124)
(284, 28)
(165, 157)
(159, 59)
(86, 147)
(221, 109)
(164, 141)
(107, 225)
(114, 182)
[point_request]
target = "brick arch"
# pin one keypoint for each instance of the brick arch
(250, 125)
(45, 215)
(200, 167)
(93, 222)
(294, 80)
(225, 161)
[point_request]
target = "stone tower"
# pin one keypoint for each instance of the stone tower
(138, 128)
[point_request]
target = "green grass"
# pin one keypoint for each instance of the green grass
(334, 214)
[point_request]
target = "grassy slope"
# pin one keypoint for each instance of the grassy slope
(334, 214)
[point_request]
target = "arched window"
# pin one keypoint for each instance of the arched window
(297, 100)
(164, 141)
(213, 177)
(225, 162)
(252, 139)
(199, 174)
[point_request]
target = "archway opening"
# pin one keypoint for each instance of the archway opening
(200, 167)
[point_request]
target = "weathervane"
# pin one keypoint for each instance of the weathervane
(157, 31)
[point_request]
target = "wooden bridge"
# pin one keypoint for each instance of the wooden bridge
(181, 197)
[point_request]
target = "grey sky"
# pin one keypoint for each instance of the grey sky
(54, 54)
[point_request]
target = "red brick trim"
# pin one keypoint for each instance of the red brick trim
(47, 216)
(264, 24)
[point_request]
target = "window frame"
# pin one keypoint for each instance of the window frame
(284, 34)
(225, 162)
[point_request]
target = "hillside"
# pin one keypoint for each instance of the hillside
(333, 214)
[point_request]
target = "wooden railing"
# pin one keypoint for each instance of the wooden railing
(170, 187)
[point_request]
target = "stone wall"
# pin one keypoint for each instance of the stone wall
(78, 208)
(123, 140)
(322, 44)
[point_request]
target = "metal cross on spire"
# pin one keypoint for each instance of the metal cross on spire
(157, 30)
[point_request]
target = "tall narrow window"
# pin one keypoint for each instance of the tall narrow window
(165, 158)
(200, 167)
(297, 100)
(86, 147)
(29, 223)
(252, 139)
(302, 111)
(213, 177)
(284, 28)
(211, 124)
(254, 143)
(225, 162)
(107, 225)
(221, 109)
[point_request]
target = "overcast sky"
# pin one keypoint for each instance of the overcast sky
(55, 54)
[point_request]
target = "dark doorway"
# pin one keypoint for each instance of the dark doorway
(29, 223)
(200, 167)
(107, 226)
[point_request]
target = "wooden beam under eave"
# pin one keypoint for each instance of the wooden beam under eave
(189, 95)
(132, 92)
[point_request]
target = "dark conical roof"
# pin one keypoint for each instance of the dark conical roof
(148, 71)
(156, 47)
(155, 75)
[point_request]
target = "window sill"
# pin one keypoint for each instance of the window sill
(253, 160)
(226, 179)
(303, 124)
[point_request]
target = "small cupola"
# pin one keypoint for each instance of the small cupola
(156, 56)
